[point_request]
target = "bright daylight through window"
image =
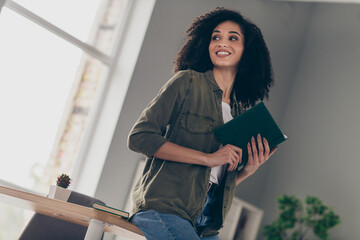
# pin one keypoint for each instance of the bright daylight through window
(48, 87)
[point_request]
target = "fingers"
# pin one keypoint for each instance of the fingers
(258, 153)
(254, 151)
(273, 151)
(227, 154)
(258, 150)
(232, 164)
(260, 145)
(267, 148)
(236, 154)
(250, 154)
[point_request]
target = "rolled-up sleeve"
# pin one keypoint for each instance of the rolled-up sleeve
(147, 135)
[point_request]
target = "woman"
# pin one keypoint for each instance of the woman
(189, 180)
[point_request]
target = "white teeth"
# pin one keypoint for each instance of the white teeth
(222, 53)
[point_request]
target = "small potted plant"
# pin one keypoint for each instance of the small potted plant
(295, 221)
(60, 191)
(63, 181)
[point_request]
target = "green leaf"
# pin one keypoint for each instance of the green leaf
(294, 221)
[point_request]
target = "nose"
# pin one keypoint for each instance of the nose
(222, 44)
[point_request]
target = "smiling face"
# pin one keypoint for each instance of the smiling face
(226, 45)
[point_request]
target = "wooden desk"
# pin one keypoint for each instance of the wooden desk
(69, 212)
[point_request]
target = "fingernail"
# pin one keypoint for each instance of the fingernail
(264, 139)
(259, 135)
(252, 138)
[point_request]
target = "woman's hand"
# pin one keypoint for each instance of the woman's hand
(257, 157)
(228, 154)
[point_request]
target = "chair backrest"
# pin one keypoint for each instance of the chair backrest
(43, 227)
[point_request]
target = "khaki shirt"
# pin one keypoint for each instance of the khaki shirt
(186, 111)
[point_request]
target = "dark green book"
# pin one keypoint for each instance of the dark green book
(115, 211)
(239, 130)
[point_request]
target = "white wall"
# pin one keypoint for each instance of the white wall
(322, 118)
(315, 54)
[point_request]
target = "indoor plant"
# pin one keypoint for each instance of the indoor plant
(60, 191)
(63, 181)
(295, 221)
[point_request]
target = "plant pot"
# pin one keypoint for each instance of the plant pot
(59, 193)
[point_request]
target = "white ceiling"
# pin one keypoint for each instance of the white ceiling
(321, 1)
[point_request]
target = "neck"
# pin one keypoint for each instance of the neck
(225, 79)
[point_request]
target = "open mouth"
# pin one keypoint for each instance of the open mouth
(222, 53)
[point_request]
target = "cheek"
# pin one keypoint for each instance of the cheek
(211, 50)
(213, 44)
(211, 47)
(240, 50)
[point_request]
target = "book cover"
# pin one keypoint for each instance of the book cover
(112, 210)
(239, 130)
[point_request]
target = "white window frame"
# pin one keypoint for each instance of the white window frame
(2, 2)
(111, 93)
(95, 150)
(59, 32)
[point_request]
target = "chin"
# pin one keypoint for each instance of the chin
(225, 66)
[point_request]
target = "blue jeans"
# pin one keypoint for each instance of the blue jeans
(208, 213)
(159, 226)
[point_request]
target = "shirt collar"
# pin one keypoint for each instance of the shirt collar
(215, 87)
(212, 82)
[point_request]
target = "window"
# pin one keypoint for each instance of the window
(49, 83)
(55, 58)
(74, 17)
(37, 76)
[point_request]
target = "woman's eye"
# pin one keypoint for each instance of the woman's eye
(232, 38)
(215, 37)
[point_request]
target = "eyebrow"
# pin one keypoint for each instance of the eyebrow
(229, 32)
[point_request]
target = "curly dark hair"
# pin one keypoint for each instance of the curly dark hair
(254, 75)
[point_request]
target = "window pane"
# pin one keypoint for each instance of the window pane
(38, 72)
(91, 21)
(75, 17)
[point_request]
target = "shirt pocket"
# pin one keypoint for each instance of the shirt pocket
(197, 124)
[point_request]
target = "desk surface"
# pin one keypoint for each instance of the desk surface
(69, 212)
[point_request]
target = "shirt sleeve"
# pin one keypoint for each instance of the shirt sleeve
(147, 135)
